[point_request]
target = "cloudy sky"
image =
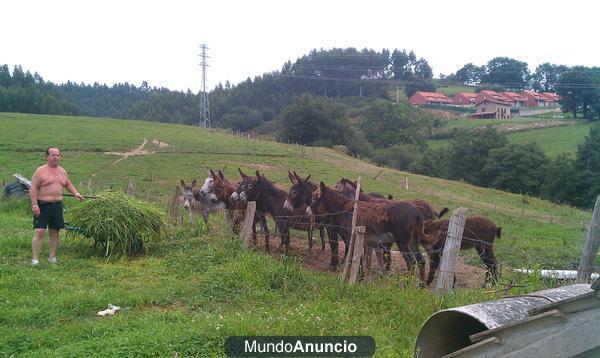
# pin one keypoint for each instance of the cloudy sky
(113, 41)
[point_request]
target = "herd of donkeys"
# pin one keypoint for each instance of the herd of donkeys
(410, 224)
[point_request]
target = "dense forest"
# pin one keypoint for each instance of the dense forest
(348, 98)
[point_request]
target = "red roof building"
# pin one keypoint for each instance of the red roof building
(491, 108)
(535, 99)
(493, 95)
(553, 98)
(429, 98)
(464, 98)
(517, 99)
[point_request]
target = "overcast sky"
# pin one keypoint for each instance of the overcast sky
(158, 41)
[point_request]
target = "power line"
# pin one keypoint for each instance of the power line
(204, 104)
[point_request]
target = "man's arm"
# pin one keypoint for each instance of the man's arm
(33, 192)
(71, 188)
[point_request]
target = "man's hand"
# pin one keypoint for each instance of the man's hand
(35, 209)
(78, 196)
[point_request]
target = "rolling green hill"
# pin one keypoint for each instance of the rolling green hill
(196, 289)
(552, 140)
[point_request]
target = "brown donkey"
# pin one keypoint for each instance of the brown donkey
(385, 222)
(479, 233)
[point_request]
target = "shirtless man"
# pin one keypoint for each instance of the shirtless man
(46, 203)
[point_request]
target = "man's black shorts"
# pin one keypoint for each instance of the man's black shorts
(51, 216)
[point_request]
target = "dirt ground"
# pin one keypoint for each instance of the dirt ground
(467, 276)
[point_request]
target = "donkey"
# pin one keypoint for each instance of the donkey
(479, 233)
(218, 190)
(385, 222)
(195, 202)
(269, 201)
(298, 199)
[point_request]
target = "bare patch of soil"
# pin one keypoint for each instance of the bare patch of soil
(139, 150)
(467, 276)
(260, 166)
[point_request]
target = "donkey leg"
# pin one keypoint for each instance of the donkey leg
(263, 222)
(488, 258)
(311, 226)
(333, 244)
(205, 218)
(434, 262)
(322, 235)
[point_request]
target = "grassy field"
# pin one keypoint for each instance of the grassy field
(194, 290)
(553, 140)
(452, 90)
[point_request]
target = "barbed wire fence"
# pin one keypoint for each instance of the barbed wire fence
(584, 268)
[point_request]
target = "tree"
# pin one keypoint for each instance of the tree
(587, 163)
(578, 90)
(546, 76)
(315, 119)
(419, 85)
(470, 74)
(469, 153)
(407, 67)
(562, 182)
(386, 124)
(507, 72)
(519, 168)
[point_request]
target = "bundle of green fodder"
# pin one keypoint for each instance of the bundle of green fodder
(122, 224)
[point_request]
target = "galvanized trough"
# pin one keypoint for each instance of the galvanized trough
(517, 326)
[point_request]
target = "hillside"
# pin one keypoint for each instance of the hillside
(197, 289)
(553, 136)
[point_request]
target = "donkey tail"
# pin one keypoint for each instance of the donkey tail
(444, 211)
(499, 232)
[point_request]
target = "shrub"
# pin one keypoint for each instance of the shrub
(121, 224)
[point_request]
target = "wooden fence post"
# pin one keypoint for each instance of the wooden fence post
(588, 257)
(456, 227)
(359, 249)
(129, 188)
(175, 204)
(406, 183)
(347, 262)
(246, 232)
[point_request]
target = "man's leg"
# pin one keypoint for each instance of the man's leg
(36, 243)
(52, 243)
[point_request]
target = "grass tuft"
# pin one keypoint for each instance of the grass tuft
(121, 224)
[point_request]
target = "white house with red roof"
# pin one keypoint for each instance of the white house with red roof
(492, 108)
(421, 98)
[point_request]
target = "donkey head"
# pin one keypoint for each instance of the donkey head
(317, 203)
(188, 193)
(300, 192)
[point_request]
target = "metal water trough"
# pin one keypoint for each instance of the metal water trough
(560, 322)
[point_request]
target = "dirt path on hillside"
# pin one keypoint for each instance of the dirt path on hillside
(135, 151)
(467, 276)
(139, 150)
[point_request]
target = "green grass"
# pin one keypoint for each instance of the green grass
(452, 90)
(194, 290)
(553, 140)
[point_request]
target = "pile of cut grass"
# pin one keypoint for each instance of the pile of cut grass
(121, 224)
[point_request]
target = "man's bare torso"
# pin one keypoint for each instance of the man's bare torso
(52, 181)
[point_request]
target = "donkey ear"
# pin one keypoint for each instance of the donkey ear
(308, 177)
(292, 179)
(258, 175)
(182, 183)
(297, 177)
(212, 174)
(221, 175)
(322, 186)
(193, 183)
(244, 176)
